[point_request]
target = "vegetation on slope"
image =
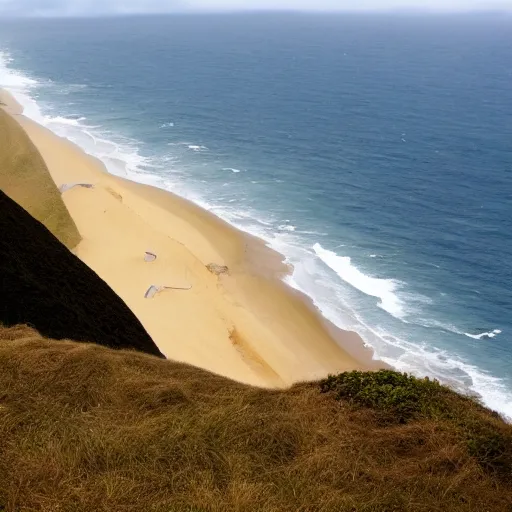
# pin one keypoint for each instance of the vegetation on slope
(44, 285)
(84, 428)
(402, 398)
(24, 177)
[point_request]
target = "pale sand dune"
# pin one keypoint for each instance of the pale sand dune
(246, 325)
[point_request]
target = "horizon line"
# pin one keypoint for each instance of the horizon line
(195, 11)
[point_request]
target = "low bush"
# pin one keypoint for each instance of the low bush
(401, 395)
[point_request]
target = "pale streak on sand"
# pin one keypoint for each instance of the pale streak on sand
(246, 325)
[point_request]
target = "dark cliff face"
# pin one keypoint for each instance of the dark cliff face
(44, 285)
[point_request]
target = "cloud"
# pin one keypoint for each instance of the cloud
(84, 7)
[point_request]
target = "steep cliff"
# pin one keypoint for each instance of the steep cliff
(44, 285)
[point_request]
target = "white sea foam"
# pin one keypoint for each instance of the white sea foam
(231, 169)
(316, 233)
(452, 328)
(248, 215)
(484, 335)
(19, 85)
(195, 147)
(63, 120)
(383, 289)
(286, 227)
(10, 78)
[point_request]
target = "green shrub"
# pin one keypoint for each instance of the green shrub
(399, 394)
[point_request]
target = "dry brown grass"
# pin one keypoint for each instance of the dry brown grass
(85, 428)
(25, 178)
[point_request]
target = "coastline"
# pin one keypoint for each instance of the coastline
(225, 323)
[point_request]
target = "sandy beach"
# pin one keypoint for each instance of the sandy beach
(245, 323)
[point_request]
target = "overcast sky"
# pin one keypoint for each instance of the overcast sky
(90, 7)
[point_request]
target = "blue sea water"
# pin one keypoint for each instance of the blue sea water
(373, 151)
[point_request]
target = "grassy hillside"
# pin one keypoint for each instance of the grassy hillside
(84, 428)
(46, 286)
(24, 177)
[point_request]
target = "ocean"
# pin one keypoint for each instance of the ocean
(373, 151)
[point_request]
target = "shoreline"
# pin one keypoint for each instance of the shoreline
(224, 323)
